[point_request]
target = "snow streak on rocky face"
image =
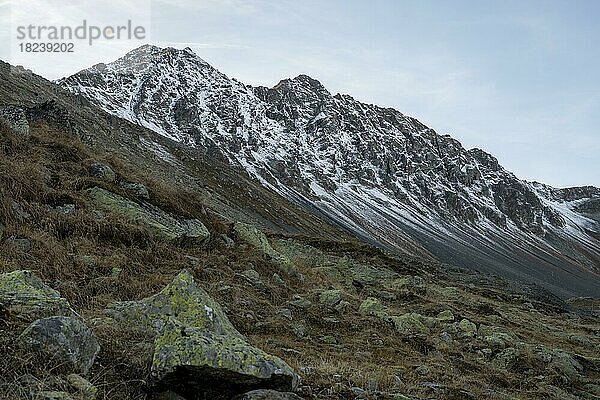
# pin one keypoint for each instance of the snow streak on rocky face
(376, 171)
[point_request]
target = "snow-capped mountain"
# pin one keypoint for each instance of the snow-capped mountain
(375, 171)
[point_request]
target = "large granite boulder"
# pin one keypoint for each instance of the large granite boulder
(197, 351)
(160, 223)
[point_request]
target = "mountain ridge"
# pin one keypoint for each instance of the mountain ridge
(384, 175)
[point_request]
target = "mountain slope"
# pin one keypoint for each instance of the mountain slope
(383, 175)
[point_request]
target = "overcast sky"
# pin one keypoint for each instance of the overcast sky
(520, 79)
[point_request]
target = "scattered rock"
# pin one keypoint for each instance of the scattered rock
(253, 278)
(53, 395)
(20, 244)
(372, 306)
(562, 362)
(160, 223)
(384, 295)
(467, 328)
(329, 339)
(410, 323)
(411, 285)
(18, 211)
(15, 118)
(116, 272)
(24, 296)
(300, 302)
(299, 330)
(229, 243)
(422, 370)
(445, 316)
(103, 171)
(137, 189)
(285, 313)
(67, 209)
(256, 238)
(330, 298)
(496, 337)
(85, 389)
(276, 279)
(65, 340)
(251, 275)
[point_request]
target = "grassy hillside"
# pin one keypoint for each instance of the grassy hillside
(349, 319)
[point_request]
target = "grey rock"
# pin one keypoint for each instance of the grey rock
(330, 298)
(85, 389)
(445, 316)
(137, 189)
(467, 328)
(65, 340)
(229, 243)
(103, 171)
(18, 211)
(385, 295)
(300, 302)
(67, 209)
(53, 395)
(20, 244)
(15, 118)
(285, 313)
(299, 330)
(277, 280)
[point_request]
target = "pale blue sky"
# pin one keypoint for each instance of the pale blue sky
(519, 79)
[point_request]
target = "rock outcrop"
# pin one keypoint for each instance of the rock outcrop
(162, 224)
(197, 351)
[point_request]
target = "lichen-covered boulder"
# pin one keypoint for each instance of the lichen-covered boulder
(197, 351)
(25, 297)
(407, 285)
(157, 221)
(257, 239)
(497, 337)
(372, 306)
(410, 324)
(445, 316)
(330, 298)
(65, 340)
(563, 363)
(467, 328)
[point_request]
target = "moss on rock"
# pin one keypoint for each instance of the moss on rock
(194, 341)
(410, 323)
(24, 296)
(157, 221)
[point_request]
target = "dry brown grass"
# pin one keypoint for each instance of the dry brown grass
(49, 169)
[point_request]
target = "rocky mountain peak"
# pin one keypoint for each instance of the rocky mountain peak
(377, 172)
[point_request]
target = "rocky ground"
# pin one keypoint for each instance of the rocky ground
(115, 285)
